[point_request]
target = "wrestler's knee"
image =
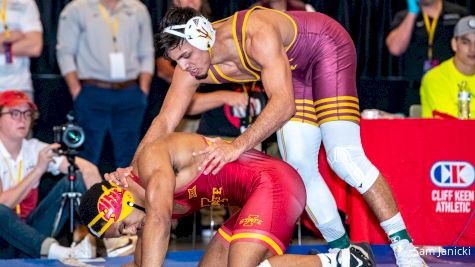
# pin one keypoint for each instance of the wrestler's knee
(352, 165)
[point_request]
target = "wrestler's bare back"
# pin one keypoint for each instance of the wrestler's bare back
(175, 149)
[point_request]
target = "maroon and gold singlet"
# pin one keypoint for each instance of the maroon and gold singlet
(322, 58)
(269, 192)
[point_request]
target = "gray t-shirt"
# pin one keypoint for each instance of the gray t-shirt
(85, 39)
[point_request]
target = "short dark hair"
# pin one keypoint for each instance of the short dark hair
(165, 42)
(88, 207)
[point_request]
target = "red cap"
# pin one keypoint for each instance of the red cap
(15, 98)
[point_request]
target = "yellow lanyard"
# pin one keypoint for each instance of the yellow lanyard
(3, 14)
(12, 180)
(430, 28)
(113, 24)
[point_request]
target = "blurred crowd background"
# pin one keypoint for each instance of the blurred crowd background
(381, 85)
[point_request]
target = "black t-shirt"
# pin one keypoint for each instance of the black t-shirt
(214, 122)
(221, 121)
(416, 53)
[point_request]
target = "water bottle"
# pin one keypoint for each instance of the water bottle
(463, 101)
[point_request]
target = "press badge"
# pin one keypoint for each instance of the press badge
(117, 65)
(429, 64)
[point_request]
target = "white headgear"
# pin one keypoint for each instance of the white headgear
(198, 32)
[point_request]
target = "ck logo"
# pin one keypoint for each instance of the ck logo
(452, 174)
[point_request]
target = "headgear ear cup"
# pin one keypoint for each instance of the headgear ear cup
(112, 206)
(198, 32)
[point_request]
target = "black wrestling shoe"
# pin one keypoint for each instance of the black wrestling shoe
(357, 255)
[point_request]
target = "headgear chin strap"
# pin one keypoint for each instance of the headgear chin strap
(198, 32)
(113, 205)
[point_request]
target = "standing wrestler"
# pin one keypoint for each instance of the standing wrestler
(307, 63)
(269, 192)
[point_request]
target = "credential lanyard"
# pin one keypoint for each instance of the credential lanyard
(430, 28)
(112, 23)
(3, 14)
(12, 180)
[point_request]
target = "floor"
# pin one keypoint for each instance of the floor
(182, 253)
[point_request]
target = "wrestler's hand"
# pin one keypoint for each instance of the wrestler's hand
(119, 177)
(218, 153)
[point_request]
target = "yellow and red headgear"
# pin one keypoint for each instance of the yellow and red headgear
(113, 205)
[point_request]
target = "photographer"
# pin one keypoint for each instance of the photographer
(27, 224)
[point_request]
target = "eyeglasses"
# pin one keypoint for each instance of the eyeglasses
(17, 114)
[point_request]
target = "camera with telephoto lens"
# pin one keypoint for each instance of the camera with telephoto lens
(69, 135)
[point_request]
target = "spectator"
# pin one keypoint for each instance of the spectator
(20, 38)
(28, 224)
(106, 55)
(439, 88)
(421, 35)
(223, 108)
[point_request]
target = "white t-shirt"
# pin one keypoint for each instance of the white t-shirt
(29, 157)
(22, 15)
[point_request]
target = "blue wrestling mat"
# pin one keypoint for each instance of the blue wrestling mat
(440, 257)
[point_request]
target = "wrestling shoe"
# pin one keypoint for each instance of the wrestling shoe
(407, 255)
(121, 246)
(357, 255)
(86, 249)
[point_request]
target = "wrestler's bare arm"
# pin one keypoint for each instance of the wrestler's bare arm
(156, 171)
(138, 252)
(265, 47)
(176, 102)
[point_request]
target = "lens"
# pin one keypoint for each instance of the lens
(73, 136)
